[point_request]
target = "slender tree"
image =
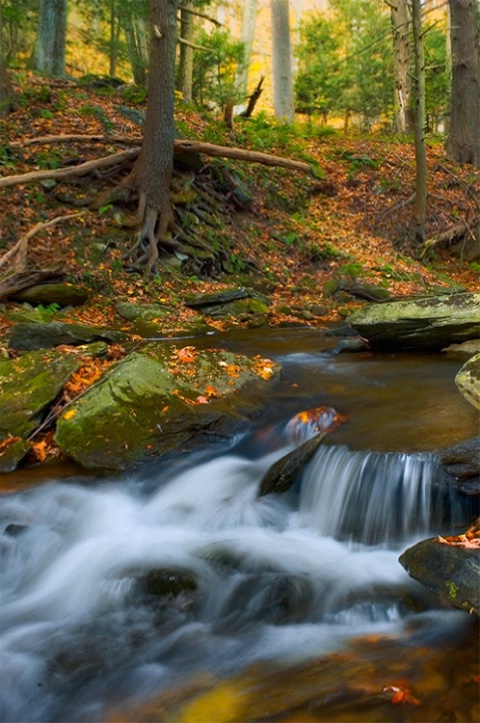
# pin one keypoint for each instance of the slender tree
(282, 61)
(152, 172)
(248, 34)
(463, 143)
(420, 200)
(403, 118)
(185, 64)
(49, 55)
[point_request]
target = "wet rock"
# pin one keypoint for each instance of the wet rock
(163, 399)
(169, 583)
(12, 455)
(47, 294)
(284, 472)
(32, 336)
(468, 380)
(461, 462)
(423, 323)
(450, 571)
(242, 303)
(467, 349)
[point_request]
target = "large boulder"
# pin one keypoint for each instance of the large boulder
(423, 323)
(468, 380)
(451, 571)
(162, 399)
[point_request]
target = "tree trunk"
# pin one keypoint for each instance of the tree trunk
(136, 34)
(153, 170)
(282, 62)
(50, 48)
(6, 89)
(463, 144)
(185, 67)
(248, 34)
(420, 200)
(403, 120)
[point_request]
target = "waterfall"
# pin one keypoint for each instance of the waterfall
(370, 497)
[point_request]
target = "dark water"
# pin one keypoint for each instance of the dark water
(277, 580)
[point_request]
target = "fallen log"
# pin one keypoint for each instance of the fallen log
(181, 146)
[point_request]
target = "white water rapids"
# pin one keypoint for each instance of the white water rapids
(278, 577)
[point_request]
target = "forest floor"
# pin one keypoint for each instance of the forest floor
(298, 234)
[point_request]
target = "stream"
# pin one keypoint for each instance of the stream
(276, 581)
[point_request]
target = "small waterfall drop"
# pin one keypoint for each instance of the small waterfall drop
(370, 497)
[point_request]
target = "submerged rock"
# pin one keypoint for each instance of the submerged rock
(163, 399)
(468, 380)
(450, 571)
(284, 472)
(423, 323)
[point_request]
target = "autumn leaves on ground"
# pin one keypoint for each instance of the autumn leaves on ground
(297, 236)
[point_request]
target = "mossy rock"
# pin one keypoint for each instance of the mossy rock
(32, 336)
(450, 571)
(468, 380)
(28, 385)
(423, 323)
(162, 399)
(141, 312)
(47, 294)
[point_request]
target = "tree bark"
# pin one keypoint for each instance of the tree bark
(282, 61)
(50, 48)
(136, 34)
(420, 200)
(403, 120)
(185, 65)
(153, 169)
(463, 144)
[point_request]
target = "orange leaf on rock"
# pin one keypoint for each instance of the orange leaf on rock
(188, 354)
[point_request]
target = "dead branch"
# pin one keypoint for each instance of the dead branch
(198, 14)
(241, 154)
(195, 46)
(19, 251)
(252, 99)
(76, 138)
(72, 171)
(186, 146)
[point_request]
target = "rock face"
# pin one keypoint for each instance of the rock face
(159, 400)
(468, 380)
(450, 571)
(461, 462)
(424, 323)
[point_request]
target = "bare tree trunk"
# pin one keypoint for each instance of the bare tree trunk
(420, 200)
(463, 144)
(50, 48)
(153, 170)
(282, 61)
(248, 34)
(403, 120)
(113, 55)
(185, 67)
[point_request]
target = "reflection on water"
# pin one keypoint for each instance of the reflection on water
(121, 590)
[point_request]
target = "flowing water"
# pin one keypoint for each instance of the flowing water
(277, 579)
